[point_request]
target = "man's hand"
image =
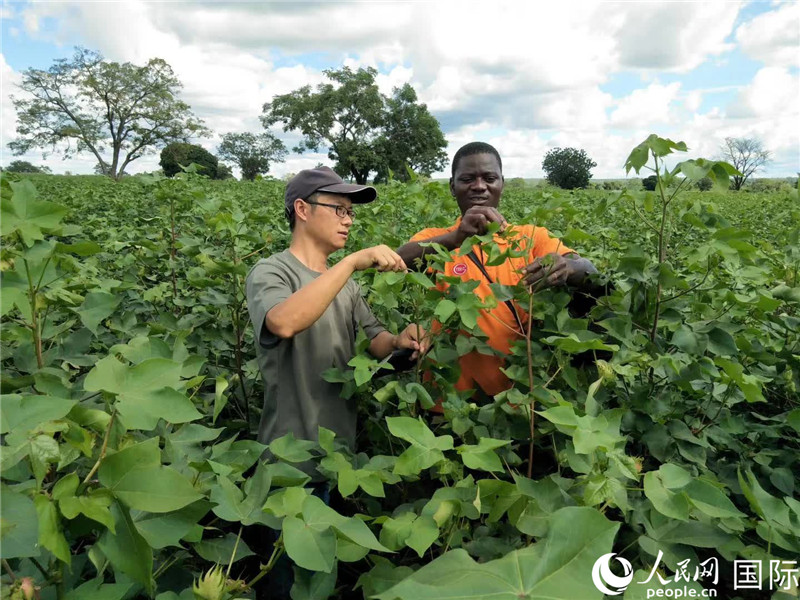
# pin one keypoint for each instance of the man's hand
(549, 271)
(381, 257)
(476, 220)
(413, 337)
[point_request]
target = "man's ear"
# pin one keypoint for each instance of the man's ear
(452, 188)
(300, 209)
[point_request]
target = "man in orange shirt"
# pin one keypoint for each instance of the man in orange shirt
(477, 185)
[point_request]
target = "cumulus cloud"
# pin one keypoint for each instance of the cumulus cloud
(773, 37)
(674, 36)
(647, 106)
(529, 81)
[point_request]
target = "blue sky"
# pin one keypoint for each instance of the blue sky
(526, 78)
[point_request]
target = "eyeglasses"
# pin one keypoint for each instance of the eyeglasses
(341, 211)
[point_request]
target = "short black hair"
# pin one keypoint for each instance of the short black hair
(475, 148)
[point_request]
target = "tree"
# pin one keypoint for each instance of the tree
(23, 166)
(252, 153)
(411, 137)
(704, 184)
(747, 155)
(365, 131)
(568, 168)
(118, 112)
(178, 154)
(650, 182)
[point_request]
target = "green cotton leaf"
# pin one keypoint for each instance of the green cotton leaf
(310, 548)
(637, 158)
(424, 532)
(65, 487)
(50, 535)
(21, 414)
(96, 307)
(145, 392)
(11, 297)
(126, 549)
(187, 442)
(668, 503)
(695, 533)
(95, 589)
(556, 568)
(395, 531)
(314, 586)
(420, 279)
(163, 530)
(95, 506)
(292, 450)
(221, 550)
(721, 342)
(82, 248)
(749, 385)
(19, 525)
(482, 456)
(146, 485)
(347, 551)
(689, 341)
(793, 419)
(381, 577)
(674, 477)
(220, 399)
(24, 213)
(318, 515)
(444, 309)
(580, 341)
(44, 450)
(765, 505)
(711, 500)
(426, 449)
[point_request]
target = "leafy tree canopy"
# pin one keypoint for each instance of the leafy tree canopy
(649, 183)
(23, 166)
(568, 168)
(366, 132)
(178, 154)
(118, 112)
(747, 155)
(252, 153)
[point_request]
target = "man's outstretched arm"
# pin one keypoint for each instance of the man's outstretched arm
(301, 310)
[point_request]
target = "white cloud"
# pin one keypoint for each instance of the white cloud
(773, 92)
(773, 37)
(674, 36)
(528, 76)
(10, 79)
(650, 105)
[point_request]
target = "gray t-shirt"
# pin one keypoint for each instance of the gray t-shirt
(296, 397)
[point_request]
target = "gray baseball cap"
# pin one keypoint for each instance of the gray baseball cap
(324, 179)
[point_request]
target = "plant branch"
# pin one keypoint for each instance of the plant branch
(103, 449)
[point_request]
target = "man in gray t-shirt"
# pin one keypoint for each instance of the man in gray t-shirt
(306, 314)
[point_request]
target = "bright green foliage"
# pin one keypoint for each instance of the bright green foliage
(102, 104)
(23, 166)
(665, 417)
(568, 168)
(650, 182)
(253, 154)
(365, 131)
(179, 154)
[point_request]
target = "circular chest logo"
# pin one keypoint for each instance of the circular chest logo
(459, 269)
